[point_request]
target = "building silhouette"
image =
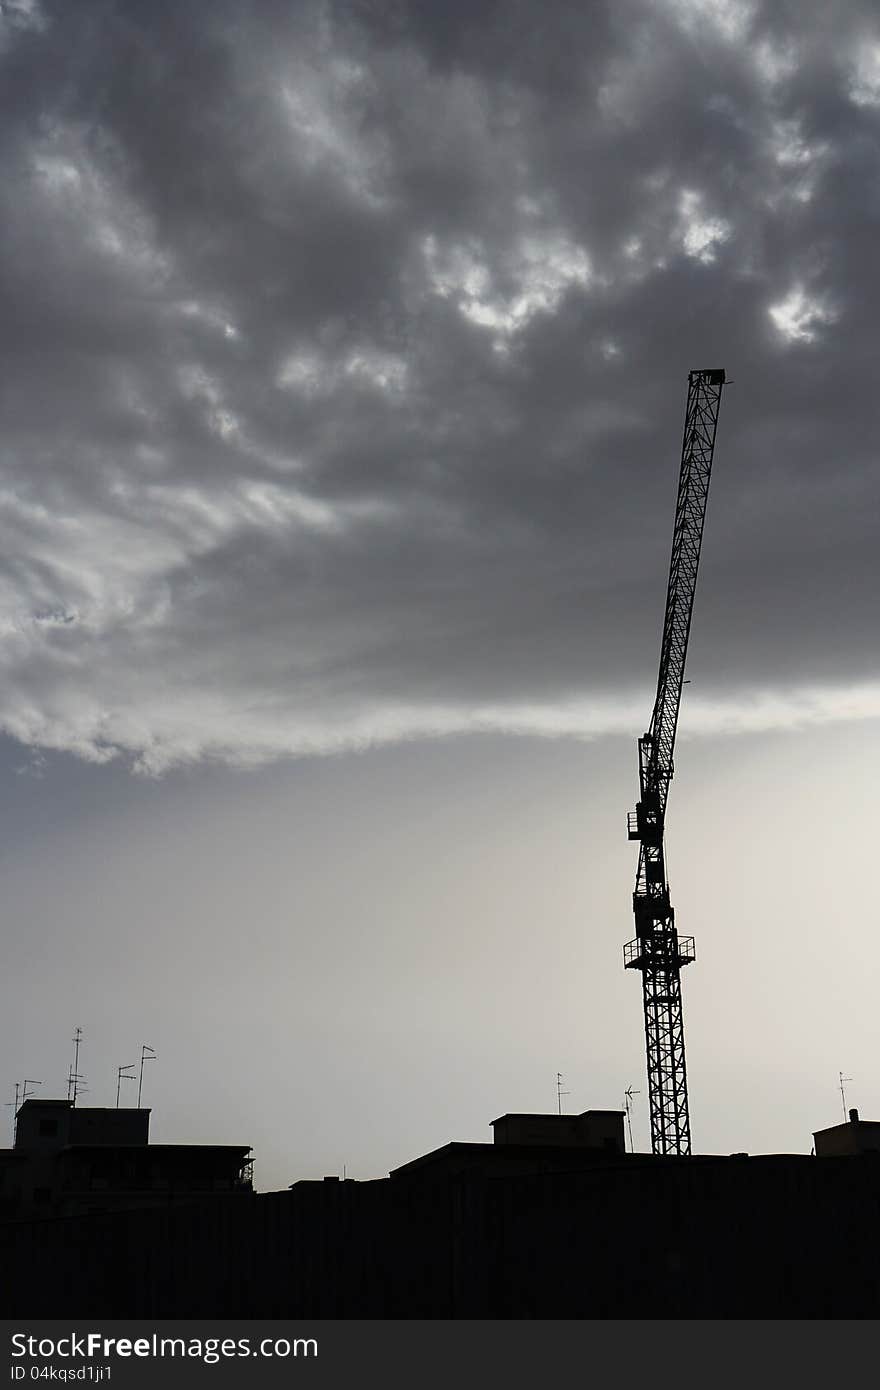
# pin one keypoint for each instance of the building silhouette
(551, 1220)
(857, 1137)
(72, 1160)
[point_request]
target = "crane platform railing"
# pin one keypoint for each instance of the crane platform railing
(637, 954)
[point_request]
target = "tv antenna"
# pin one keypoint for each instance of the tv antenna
(843, 1081)
(628, 1105)
(147, 1055)
(560, 1093)
(122, 1075)
(14, 1105)
(74, 1086)
(74, 1076)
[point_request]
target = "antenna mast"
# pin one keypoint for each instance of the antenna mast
(147, 1055)
(74, 1076)
(628, 1105)
(122, 1075)
(843, 1081)
(658, 952)
(560, 1093)
(14, 1105)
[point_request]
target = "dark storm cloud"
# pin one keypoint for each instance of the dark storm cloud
(345, 359)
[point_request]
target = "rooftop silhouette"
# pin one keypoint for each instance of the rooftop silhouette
(552, 1219)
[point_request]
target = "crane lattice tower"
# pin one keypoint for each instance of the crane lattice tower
(658, 952)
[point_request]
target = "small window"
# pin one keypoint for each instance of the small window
(48, 1127)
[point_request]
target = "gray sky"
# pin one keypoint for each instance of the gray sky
(342, 382)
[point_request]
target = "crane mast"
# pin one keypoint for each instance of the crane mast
(658, 952)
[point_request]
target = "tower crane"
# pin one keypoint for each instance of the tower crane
(658, 952)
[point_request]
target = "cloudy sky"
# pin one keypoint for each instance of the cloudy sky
(343, 369)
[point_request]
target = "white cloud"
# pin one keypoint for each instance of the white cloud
(864, 89)
(158, 724)
(313, 373)
(729, 19)
(535, 274)
(214, 318)
(20, 16)
(799, 315)
(89, 211)
(307, 371)
(775, 62)
(321, 103)
(701, 233)
(384, 370)
(800, 161)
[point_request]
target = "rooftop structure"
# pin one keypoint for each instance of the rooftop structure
(47, 1125)
(855, 1137)
(594, 1129)
(529, 1144)
(70, 1160)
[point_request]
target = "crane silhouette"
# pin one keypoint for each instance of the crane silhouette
(658, 952)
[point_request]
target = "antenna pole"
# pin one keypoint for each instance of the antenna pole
(560, 1093)
(843, 1081)
(147, 1055)
(627, 1101)
(120, 1075)
(75, 1078)
(14, 1105)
